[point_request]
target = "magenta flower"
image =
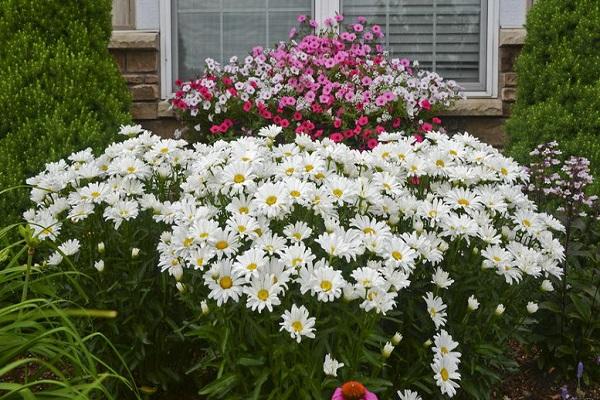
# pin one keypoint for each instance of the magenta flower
(353, 390)
(301, 18)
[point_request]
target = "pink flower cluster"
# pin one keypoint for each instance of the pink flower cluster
(322, 82)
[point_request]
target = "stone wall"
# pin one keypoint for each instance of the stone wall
(138, 56)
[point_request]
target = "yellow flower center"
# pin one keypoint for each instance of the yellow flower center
(131, 169)
(308, 167)
(239, 178)
(199, 261)
(326, 285)
(297, 236)
(432, 214)
(338, 193)
(241, 228)
(251, 266)
(95, 195)
(187, 242)
(368, 231)
(444, 350)
(440, 163)
(319, 176)
(297, 326)
(385, 154)
(222, 245)
(397, 255)
(289, 171)
(203, 235)
(164, 150)
(496, 259)
(243, 210)
(104, 167)
(258, 231)
(463, 202)
(226, 282)
(444, 374)
(453, 152)
(527, 223)
(271, 200)
(295, 193)
(296, 261)
(263, 294)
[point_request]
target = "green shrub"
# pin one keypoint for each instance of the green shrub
(60, 90)
(559, 81)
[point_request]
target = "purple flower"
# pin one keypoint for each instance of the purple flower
(579, 370)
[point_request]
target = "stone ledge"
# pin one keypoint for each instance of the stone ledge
(476, 107)
(134, 40)
(512, 36)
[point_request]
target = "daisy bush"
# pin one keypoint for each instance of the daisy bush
(301, 266)
(332, 82)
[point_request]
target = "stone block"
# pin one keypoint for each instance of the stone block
(144, 92)
(142, 61)
(512, 36)
(508, 79)
(120, 59)
(509, 94)
(134, 79)
(144, 110)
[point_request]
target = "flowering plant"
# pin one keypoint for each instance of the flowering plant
(321, 83)
(568, 329)
(294, 253)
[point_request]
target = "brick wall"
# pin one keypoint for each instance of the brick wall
(138, 56)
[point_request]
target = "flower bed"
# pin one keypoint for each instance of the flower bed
(320, 83)
(312, 250)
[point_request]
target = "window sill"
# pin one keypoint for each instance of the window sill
(135, 40)
(468, 107)
(512, 36)
(476, 108)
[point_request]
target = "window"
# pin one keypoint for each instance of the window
(446, 36)
(456, 38)
(122, 14)
(220, 29)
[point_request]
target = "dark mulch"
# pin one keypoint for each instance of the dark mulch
(531, 383)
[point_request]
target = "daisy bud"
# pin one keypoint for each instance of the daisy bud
(499, 309)
(475, 250)
(427, 343)
(99, 265)
(386, 352)
(472, 303)
(331, 365)
(396, 339)
(532, 307)
(443, 246)
(394, 219)
(177, 272)
(135, 252)
(547, 286)
(180, 286)
(350, 293)
(204, 307)
(418, 226)
(101, 247)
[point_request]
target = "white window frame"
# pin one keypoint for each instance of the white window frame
(328, 8)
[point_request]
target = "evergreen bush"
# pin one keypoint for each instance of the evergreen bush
(559, 81)
(60, 90)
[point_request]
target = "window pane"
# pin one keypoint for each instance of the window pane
(443, 35)
(220, 29)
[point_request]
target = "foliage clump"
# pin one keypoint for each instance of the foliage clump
(60, 90)
(559, 81)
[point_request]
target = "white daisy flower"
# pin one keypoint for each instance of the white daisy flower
(298, 323)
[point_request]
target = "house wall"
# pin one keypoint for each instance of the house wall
(137, 52)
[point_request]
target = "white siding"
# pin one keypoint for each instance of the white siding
(512, 13)
(147, 14)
